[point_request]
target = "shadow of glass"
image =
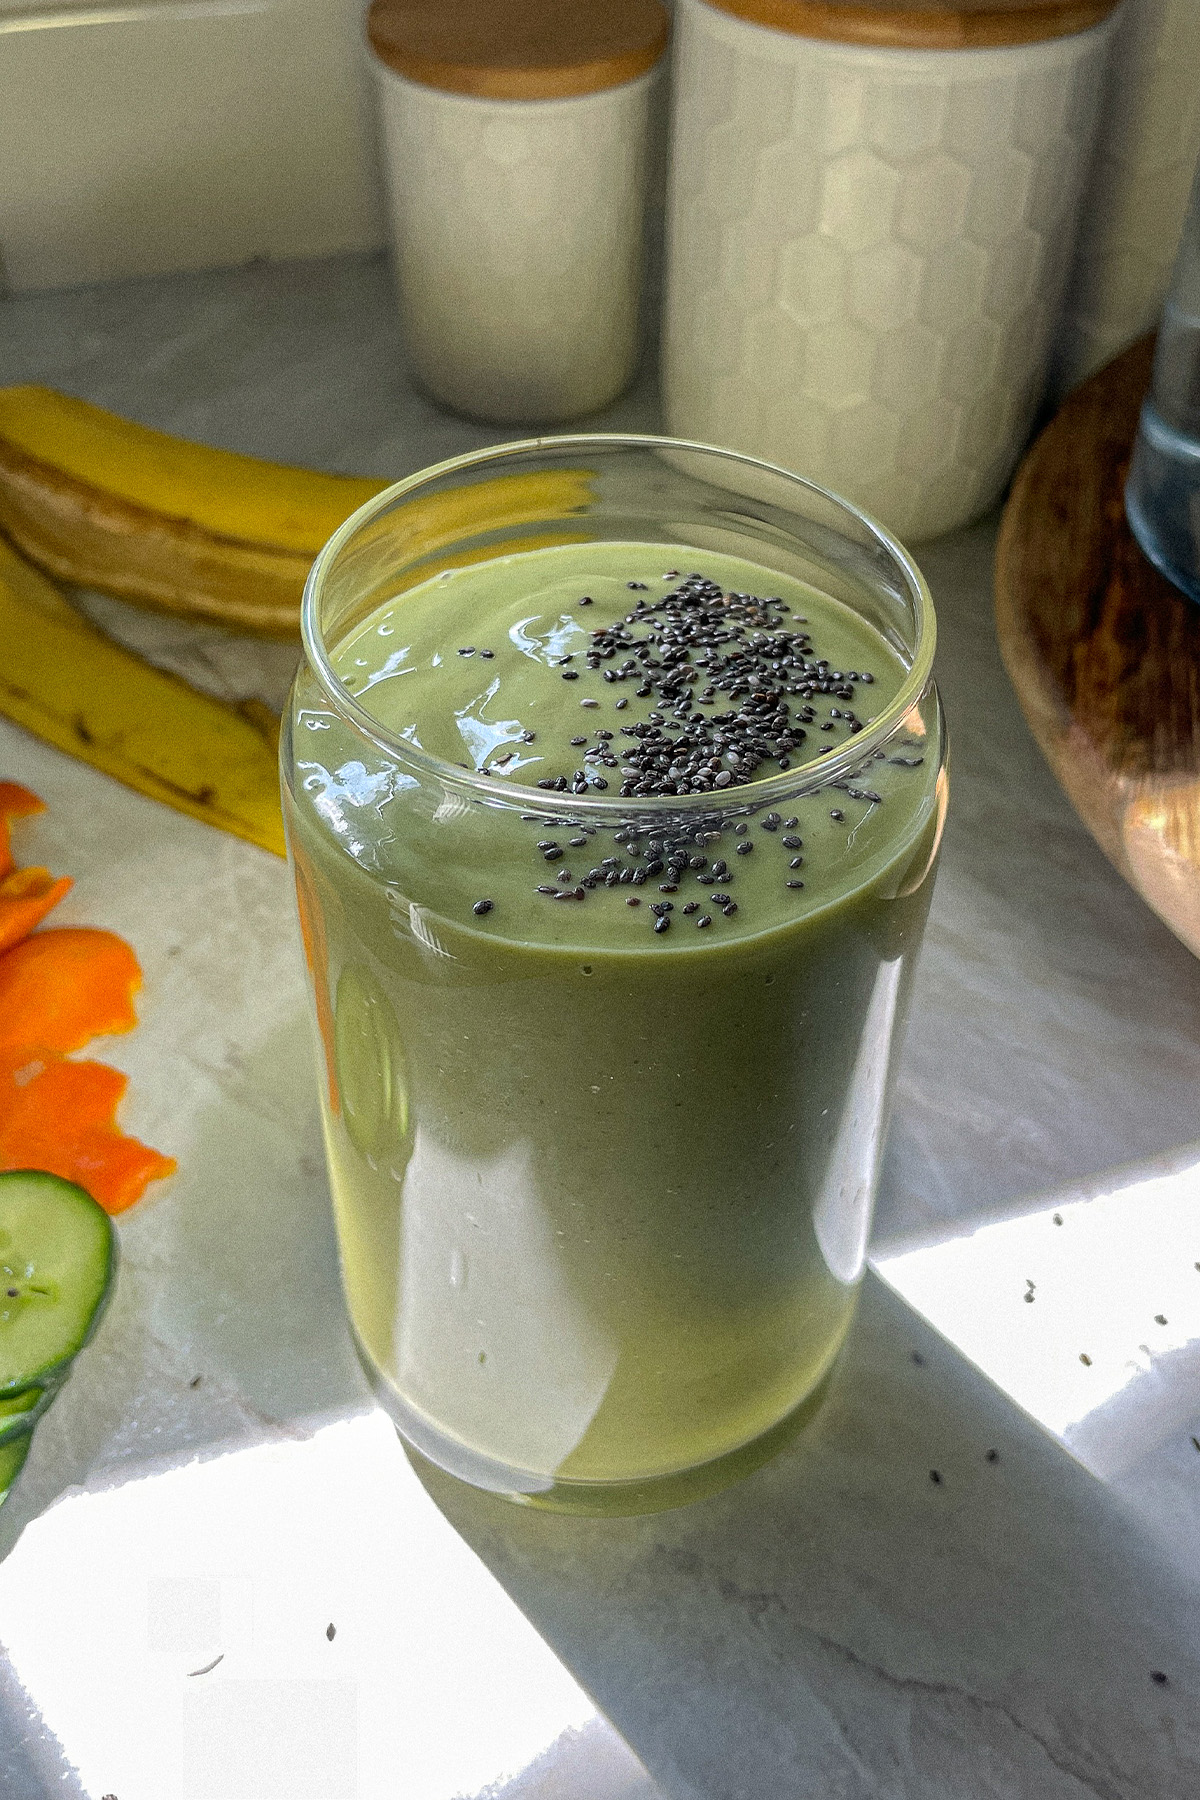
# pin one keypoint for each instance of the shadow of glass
(887, 1608)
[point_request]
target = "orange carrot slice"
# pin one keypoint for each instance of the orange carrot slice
(61, 1116)
(61, 987)
(26, 896)
(58, 989)
(16, 802)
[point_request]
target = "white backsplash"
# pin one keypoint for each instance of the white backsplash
(154, 135)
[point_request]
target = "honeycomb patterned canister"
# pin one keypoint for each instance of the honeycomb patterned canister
(1134, 207)
(514, 136)
(873, 208)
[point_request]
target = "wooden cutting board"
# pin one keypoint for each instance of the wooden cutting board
(1103, 651)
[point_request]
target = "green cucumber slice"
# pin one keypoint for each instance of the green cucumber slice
(57, 1259)
(12, 1461)
(21, 1412)
(15, 1406)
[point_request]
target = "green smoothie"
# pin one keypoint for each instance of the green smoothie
(606, 1088)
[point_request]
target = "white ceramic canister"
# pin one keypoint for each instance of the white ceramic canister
(872, 214)
(1133, 211)
(514, 134)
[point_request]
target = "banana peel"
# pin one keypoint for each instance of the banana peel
(102, 502)
(75, 688)
(99, 501)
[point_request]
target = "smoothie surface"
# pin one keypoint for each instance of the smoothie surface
(531, 667)
(614, 671)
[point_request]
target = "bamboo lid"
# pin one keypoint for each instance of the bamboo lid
(519, 49)
(925, 24)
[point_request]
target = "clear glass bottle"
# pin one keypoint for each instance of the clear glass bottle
(1162, 495)
(603, 1192)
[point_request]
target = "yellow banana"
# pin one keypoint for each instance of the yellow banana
(101, 502)
(69, 684)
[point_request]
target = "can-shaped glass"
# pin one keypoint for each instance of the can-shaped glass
(606, 1055)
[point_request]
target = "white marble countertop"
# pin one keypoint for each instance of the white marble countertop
(840, 1626)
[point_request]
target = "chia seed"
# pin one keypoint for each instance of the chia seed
(695, 646)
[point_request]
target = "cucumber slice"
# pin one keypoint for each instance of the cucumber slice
(57, 1259)
(17, 1405)
(12, 1461)
(21, 1412)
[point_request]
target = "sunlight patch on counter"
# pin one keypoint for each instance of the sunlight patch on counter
(1086, 1312)
(174, 1633)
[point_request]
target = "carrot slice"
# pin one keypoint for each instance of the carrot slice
(16, 802)
(61, 987)
(26, 896)
(58, 989)
(61, 1116)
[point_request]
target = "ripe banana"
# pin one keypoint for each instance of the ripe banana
(105, 503)
(101, 502)
(69, 684)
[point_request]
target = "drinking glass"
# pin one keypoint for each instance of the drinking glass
(1162, 495)
(602, 1214)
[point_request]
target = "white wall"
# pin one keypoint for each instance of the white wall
(148, 135)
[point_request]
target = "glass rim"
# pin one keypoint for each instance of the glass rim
(496, 790)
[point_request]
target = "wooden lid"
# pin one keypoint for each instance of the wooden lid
(925, 24)
(519, 49)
